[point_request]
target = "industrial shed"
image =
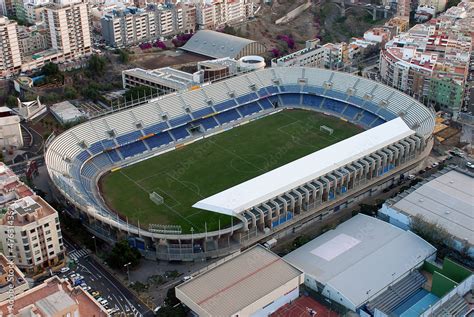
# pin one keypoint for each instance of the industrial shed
(254, 283)
(360, 259)
(218, 45)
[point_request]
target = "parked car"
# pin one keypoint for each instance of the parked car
(64, 269)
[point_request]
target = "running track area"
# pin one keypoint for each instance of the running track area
(304, 307)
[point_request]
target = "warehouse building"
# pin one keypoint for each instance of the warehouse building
(359, 260)
(218, 45)
(428, 200)
(254, 283)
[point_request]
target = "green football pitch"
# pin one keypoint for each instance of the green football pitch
(193, 172)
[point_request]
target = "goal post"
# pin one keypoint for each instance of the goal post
(326, 129)
(156, 198)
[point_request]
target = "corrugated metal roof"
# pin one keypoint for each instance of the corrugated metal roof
(447, 200)
(380, 254)
(269, 185)
(239, 282)
(215, 44)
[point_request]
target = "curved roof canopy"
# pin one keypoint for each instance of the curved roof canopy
(216, 44)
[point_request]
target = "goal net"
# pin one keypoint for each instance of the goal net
(156, 198)
(326, 129)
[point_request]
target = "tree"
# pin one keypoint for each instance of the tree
(50, 69)
(11, 101)
(121, 254)
(70, 92)
(431, 232)
(124, 57)
(96, 65)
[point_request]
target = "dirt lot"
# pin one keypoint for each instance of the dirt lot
(160, 58)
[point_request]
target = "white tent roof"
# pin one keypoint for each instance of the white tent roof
(276, 182)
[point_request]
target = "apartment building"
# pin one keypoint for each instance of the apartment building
(431, 61)
(215, 14)
(132, 25)
(32, 39)
(439, 5)
(69, 28)
(10, 56)
(10, 274)
(11, 187)
(37, 239)
(54, 297)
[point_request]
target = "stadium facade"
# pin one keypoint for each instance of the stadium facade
(398, 137)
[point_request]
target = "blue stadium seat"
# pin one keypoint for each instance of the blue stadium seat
(101, 161)
(89, 170)
(208, 123)
(312, 101)
(313, 90)
(336, 94)
(96, 147)
(262, 92)
(334, 105)
(371, 107)
(351, 111)
(356, 100)
(180, 120)
(179, 133)
(129, 137)
(367, 118)
(202, 112)
(108, 143)
(132, 149)
(291, 99)
(387, 115)
(247, 98)
(159, 140)
(156, 128)
(230, 103)
(113, 155)
(249, 109)
(377, 122)
(272, 89)
(265, 103)
(291, 88)
(227, 116)
(83, 156)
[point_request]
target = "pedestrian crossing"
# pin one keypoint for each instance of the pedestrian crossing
(77, 254)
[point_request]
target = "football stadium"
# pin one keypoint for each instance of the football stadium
(201, 173)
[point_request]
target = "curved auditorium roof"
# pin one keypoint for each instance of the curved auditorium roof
(217, 45)
(67, 155)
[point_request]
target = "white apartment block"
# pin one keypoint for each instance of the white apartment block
(439, 5)
(221, 12)
(131, 26)
(69, 28)
(30, 233)
(10, 56)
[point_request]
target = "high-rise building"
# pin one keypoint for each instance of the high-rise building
(10, 56)
(37, 238)
(69, 28)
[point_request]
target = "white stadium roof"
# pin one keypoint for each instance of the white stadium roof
(361, 257)
(276, 182)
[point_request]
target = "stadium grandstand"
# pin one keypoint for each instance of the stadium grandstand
(398, 137)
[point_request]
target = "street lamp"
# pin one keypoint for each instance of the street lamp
(95, 244)
(128, 270)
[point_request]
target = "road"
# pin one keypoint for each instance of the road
(99, 279)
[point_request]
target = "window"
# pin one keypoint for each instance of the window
(47, 232)
(46, 225)
(31, 231)
(35, 245)
(37, 252)
(51, 253)
(50, 246)
(49, 239)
